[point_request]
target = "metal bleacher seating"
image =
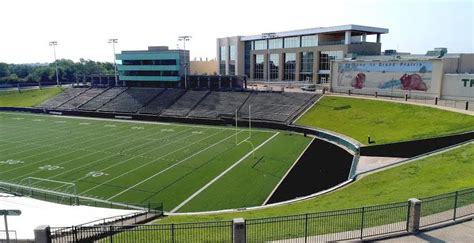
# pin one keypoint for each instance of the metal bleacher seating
(81, 99)
(97, 102)
(185, 103)
(63, 97)
(162, 101)
(279, 107)
(219, 103)
(131, 100)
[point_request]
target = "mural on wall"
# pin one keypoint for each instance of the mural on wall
(399, 75)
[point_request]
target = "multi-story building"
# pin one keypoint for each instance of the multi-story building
(157, 66)
(298, 55)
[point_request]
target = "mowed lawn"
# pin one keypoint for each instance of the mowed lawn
(27, 98)
(438, 174)
(132, 162)
(384, 121)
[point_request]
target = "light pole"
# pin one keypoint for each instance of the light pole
(185, 38)
(54, 44)
(113, 42)
(268, 36)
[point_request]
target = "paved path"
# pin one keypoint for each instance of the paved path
(462, 232)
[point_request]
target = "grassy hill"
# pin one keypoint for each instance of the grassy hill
(438, 174)
(27, 98)
(384, 121)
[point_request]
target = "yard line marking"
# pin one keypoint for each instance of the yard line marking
(157, 159)
(170, 167)
(222, 174)
(139, 145)
(84, 123)
(74, 151)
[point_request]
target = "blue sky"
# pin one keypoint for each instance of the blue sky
(82, 27)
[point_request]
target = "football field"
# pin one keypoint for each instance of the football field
(187, 167)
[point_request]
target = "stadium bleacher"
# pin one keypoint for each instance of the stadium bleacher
(162, 101)
(63, 97)
(81, 99)
(131, 100)
(185, 103)
(280, 107)
(100, 100)
(219, 103)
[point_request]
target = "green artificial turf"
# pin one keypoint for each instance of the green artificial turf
(384, 121)
(27, 98)
(438, 174)
(138, 163)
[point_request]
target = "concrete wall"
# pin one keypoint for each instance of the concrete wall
(204, 67)
(458, 87)
(466, 63)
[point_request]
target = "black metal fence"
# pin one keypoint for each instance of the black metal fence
(220, 231)
(349, 224)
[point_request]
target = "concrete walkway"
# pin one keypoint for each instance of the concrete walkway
(462, 232)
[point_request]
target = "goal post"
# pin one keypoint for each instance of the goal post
(247, 139)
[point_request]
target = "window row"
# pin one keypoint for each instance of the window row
(151, 73)
(149, 62)
(287, 42)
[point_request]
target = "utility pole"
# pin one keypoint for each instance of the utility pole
(54, 44)
(185, 38)
(113, 42)
(268, 36)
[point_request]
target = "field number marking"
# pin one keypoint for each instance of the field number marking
(138, 128)
(167, 130)
(11, 162)
(18, 118)
(50, 167)
(84, 123)
(110, 125)
(38, 120)
(96, 174)
(197, 132)
(60, 121)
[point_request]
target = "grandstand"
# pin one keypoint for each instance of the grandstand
(220, 103)
(79, 100)
(131, 100)
(185, 104)
(275, 107)
(162, 101)
(97, 102)
(62, 98)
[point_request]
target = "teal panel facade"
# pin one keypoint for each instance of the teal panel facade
(157, 64)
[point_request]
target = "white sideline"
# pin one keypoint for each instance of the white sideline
(222, 174)
(170, 167)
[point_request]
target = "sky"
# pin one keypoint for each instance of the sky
(82, 27)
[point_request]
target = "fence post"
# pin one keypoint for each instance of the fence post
(362, 224)
(306, 228)
(239, 230)
(436, 100)
(349, 91)
(414, 215)
(376, 94)
(43, 234)
(455, 205)
(172, 233)
(467, 105)
(111, 234)
(406, 97)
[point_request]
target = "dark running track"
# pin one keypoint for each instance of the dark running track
(322, 166)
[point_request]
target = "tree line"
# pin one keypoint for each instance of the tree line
(67, 69)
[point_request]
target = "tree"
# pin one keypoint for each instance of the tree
(4, 70)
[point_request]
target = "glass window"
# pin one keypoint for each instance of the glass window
(306, 71)
(260, 45)
(248, 48)
(258, 69)
(290, 66)
(274, 66)
(222, 60)
(292, 42)
(309, 40)
(275, 43)
(326, 57)
(232, 53)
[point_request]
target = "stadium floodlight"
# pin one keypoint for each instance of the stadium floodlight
(54, 44)
(267, 37)
(185, 38)
(113, 42)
